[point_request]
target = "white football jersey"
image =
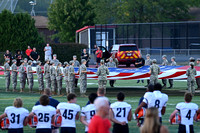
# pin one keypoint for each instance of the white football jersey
(16, 116)
(121, 110)
(44, 115)
(187, 112)
(88, 111)
(156, 99)
(68, 112)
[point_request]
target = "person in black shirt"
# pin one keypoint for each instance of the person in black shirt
(85, 55)
(8, 55)
(18, 57)
(34, 56)
(139, 63)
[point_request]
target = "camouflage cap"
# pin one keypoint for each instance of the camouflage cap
(71, 62)
(173, 57)
(164, 56)
(148, 55)
(102, 61)
(66, 63)
(25, 59)
(14, 61)
(38, 62)
(47, 60)
(30, 61)
(74, 56)
(191, 63)
(7, 59)
(54, 55)
(192, 59)
(52, 62)
(198, 59)
(83, 60)
(154, 60)
(59, 63)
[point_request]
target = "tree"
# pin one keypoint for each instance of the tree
(66, 16)
(17, 31)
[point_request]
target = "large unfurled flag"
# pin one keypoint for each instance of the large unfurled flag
(167, 72)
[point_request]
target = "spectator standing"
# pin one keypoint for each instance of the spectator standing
(112, 65)
(171, 80)
(7, 74)
(76, 64)
(191, 72)
(148, 62)
(100, 122)
(48, 52)
(164, 63)
(85, 55)
(198, 79)
(28, 52)
(139, 63)
(14, 75)
(8, 55)
(18, 57)
(99, 55)
(34, 56)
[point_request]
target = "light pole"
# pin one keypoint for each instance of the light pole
(32, 4)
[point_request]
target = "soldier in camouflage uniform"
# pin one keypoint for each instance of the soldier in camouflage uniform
(154, 71)
(39, 72)
(171, 80)
(164, 63)
(198, 79)
(7, 73)
(71, 77)
(14, 75)
(83, 77)
(55, 60)
(59, 77)
(191, 72)
(65, 72)
(113, 65)
(53, 77)
(102, 73)
(148, 62)
(30, 75)
(25, 74)
(22, 72)
(47, 74)
(76, 64)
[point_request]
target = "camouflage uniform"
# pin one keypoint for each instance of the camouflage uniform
(191, 79)
(7, 75)
(30, 77)
(65, 72)
(76, 64)
(171, 80)
(53, 78)
(40, 77)
(198, 79)
(47, 75)
(59, 78)
(14, 75)
(25, 74)
(56, 61)
(113, 65)
(164, 63)
(21, 77)
(155, 70)
(148, 62)
(102, 73)
(71, 78)
(83, 78)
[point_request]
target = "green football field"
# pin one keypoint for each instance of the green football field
(132, 90)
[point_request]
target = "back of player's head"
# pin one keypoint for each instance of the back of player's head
(101, 102)
(158, 86)
(100, 92)
(44, 100)
(18, 102)
(47, 92)
(150, 88)
(92, 97)
(120, 96)
(188, 97)
(71, 96)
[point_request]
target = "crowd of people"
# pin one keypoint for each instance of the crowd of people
(98, 113)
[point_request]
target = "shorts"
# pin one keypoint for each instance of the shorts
(117, 128)
(98, 60)
(183, 128)
(15, 130)
(43, 130)
(68, 130)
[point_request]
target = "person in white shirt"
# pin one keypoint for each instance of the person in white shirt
(69, 112)
(188, 112)
(120, 114)
(48, 52)
(88, 111)
(155, 99)
(17, 116)
(44, 113)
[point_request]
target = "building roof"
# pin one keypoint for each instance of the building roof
(40, 21)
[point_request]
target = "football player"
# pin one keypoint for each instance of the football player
(44, 113)
(17, 116)
(69, 112)
(155, 99)
(120, 114)
(187, 111)
(88, 111)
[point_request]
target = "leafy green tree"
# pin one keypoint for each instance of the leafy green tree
(66, 16)
(18, 31)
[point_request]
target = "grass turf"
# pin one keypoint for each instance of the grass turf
(132, 93)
